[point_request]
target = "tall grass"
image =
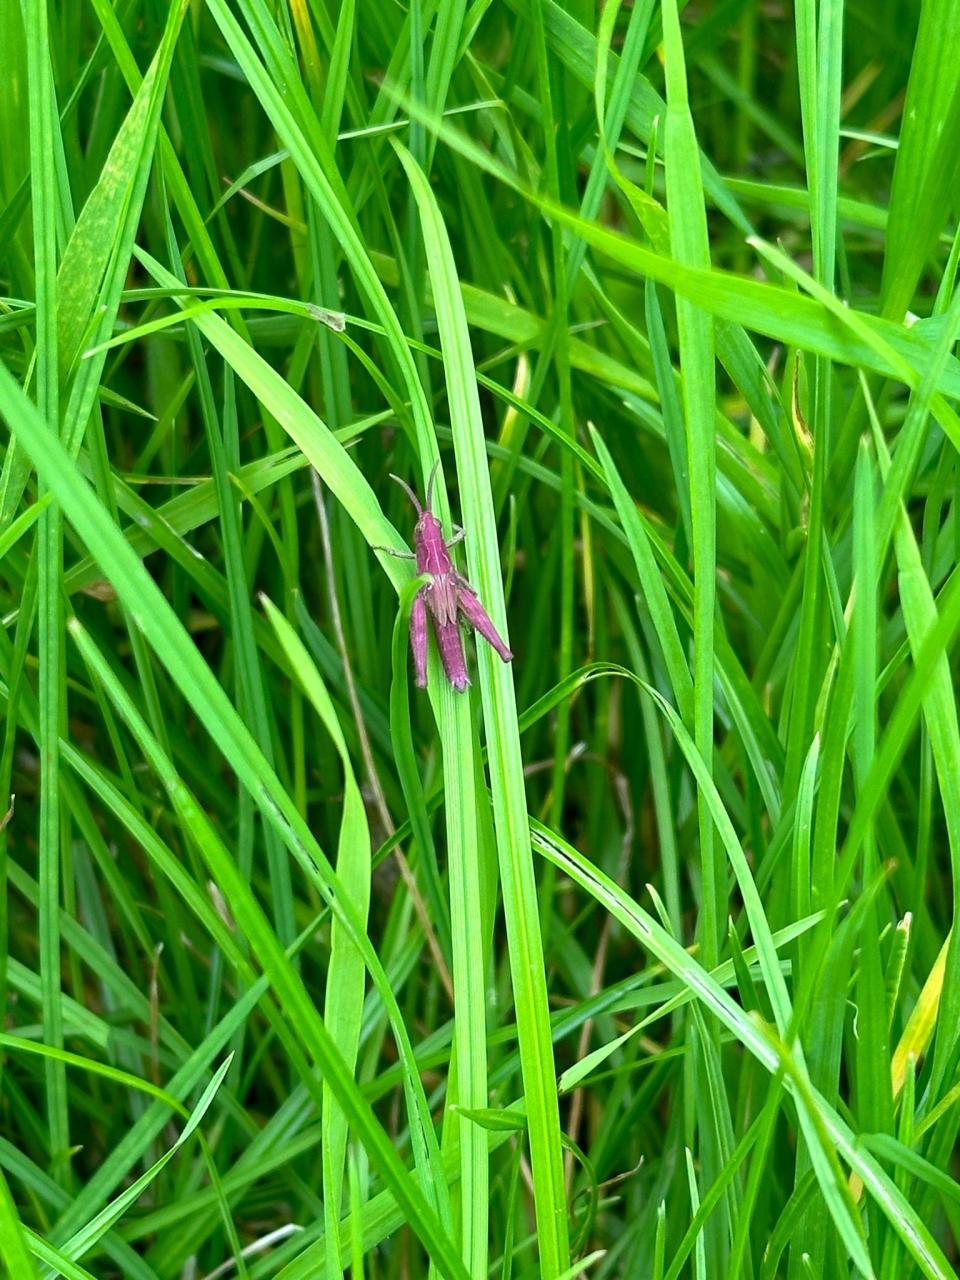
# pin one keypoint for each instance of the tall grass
(637, 959)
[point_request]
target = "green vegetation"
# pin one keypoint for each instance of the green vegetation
(634, 961)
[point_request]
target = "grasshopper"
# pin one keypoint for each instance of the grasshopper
(448, 597)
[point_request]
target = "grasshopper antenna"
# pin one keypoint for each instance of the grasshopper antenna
(433, 476)
(410, 494)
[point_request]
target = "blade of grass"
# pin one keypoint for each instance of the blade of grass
(686, 214)
(84, 1239)
(920, 191)
(14, 1249)
(345, 974)
(503, 741)
(44, 202)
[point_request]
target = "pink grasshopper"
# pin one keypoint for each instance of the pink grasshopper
(447, 595)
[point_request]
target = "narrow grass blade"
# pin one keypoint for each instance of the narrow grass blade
(343, 1008)
(503, 742)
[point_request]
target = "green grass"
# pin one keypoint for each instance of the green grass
(637, 960)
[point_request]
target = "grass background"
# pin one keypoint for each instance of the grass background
(636, 961)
